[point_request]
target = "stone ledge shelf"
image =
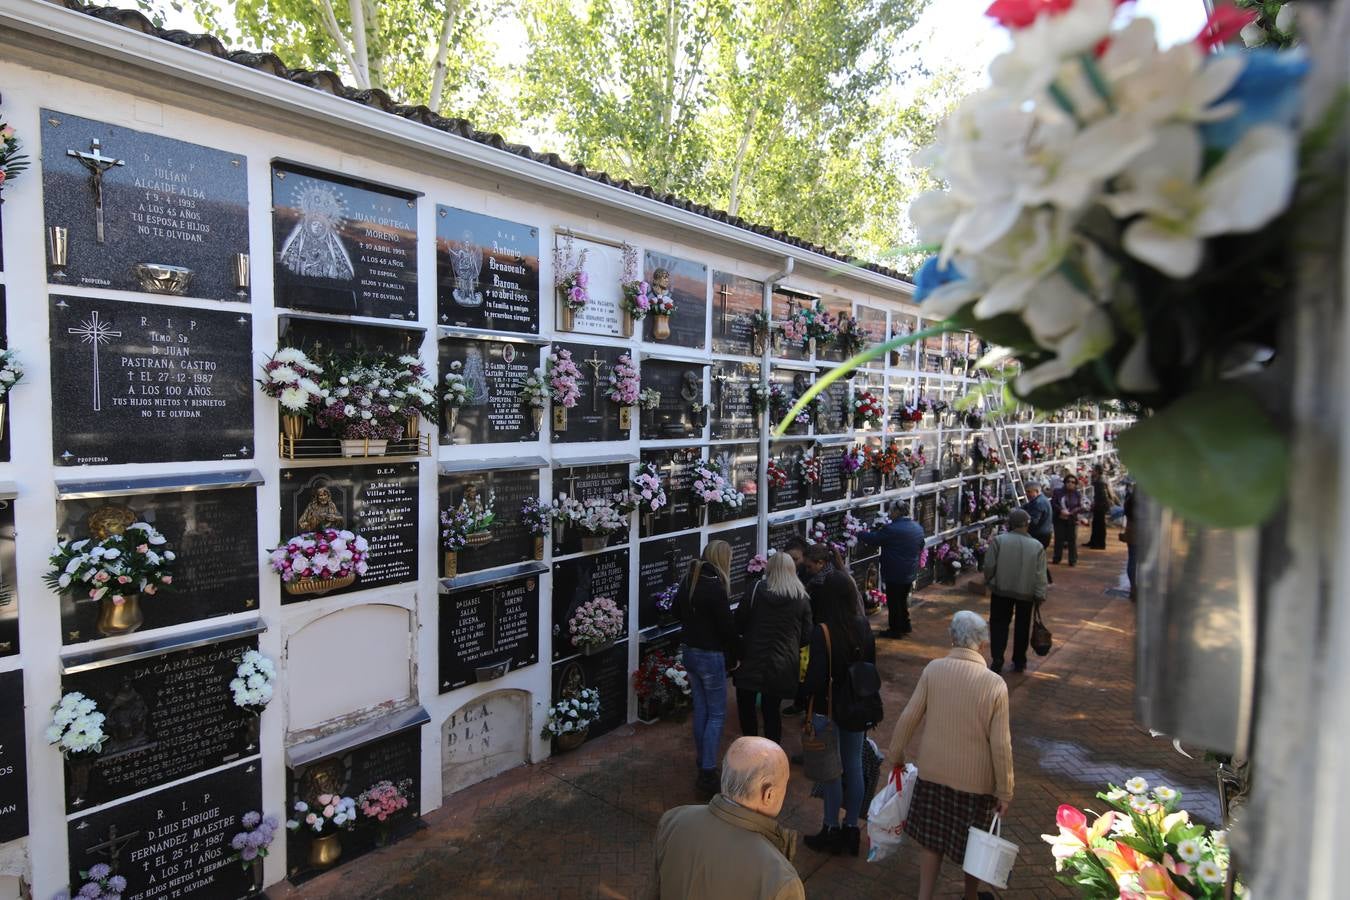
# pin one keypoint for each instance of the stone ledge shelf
(491, 576)
(8, 490)
(504, 464)
(284, 317)
(580, 462)
(157, 484)
(496, 337)
(342, 741)
(86, 660)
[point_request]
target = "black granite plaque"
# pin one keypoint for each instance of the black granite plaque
(13, 759)
(832, 484)
(834, 408)
(606, 672)
(736, 299)
(949, 509)
(343, 246)
(595, 417)
(833, 352)
(867, 515)
(781, 532)
(680, 385)
(168, 717)
(495, 626)
(868, 481)
(744, 543)
(925, 576)
(9, 588)
(925, 512)
(740, 462)
(689, 287)
(143, 382)
(507, 490)
(161, 202)
(175, 842)
(793, 383)
(872, 324)
(733, 413)
(494, 372)
(783, 303)
(585, 483)
(788, 455)
(833, 523)
(487, 272)
(676, 467)
(5, 418)
(580, 580)
(215, 537)
(378, 502)
(663, 564)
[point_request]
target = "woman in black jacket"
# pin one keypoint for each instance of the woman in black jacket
(774, 622)
(850, 641)
(709, 651)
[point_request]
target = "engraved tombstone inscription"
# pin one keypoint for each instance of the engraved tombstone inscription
(743, 541)
(492, 630)
(487, 272)
(662, 565)
(682, 510)
(602, 313)
(679, 413)
(740, 464)
(507, 540)
(595, 417)
(789, 492)
(584, 483)
(607, 673)
(832, 484)
(781, 532)
(13, 759)
(732, 407)
(494, 372)
(485, 737)
(580, 580)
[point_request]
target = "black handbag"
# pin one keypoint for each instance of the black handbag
(820, 746)
(1041, 638)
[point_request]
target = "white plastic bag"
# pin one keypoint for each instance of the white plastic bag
(887, 813)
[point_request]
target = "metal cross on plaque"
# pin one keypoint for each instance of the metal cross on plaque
(596, 364)
(721, 378)
(724, 294)
(97, 164)
(94, 331)
(112, 847)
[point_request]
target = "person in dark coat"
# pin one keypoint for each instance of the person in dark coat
(822, 560)
(1103, 498)
(1042, 526)
(901, 542)
(774, 622)
(850, 641)
(708, 639)
(1067, 504)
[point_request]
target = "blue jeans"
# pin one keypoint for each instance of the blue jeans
(708, 681)
(849, 794)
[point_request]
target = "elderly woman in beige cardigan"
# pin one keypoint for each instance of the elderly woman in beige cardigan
(965, 755)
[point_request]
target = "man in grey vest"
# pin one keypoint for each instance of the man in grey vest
(1014, 569)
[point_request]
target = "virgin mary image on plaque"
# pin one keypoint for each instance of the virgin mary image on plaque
(466, 260)
(314, 248)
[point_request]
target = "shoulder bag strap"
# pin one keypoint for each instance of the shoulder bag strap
(829, 673)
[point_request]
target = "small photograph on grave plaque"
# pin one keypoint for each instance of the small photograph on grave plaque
(9, 589)
(486, 508)
(167, 717)
(487, 272)
(492, 411)
(581, 623)
(13, 759)
(680, 412)
(662, 567)
(488, 631)
(132, 211)
(676, 468)
(743, 541)
(144, 382)
(686, 282)
(788, 488)
(733, 407)
(739, 464)
(583, 483)
(738, 304)
(607, 673)
(595, 417)
(377, 503)
(213, 535)
(367, 772)
(175, 842)
(343, 246)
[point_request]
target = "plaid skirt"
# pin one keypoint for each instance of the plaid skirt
(940, 818)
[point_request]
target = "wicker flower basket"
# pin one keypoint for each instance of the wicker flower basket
(318, 586)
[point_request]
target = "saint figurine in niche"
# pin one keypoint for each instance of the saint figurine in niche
(314, 247)
(321, 513)
(660, 283)
(328, 776)
(691, 389)
(109, 520)
(466, 261)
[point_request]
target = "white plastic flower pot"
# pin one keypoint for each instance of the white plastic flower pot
(989, 856)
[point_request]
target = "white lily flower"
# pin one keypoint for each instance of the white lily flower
(1181, 83)
(1182, 207)
(1253, 35)
(1286, 19)
(1039, 50)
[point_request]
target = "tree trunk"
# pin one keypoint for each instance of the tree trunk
(442, 54)
(357, 11)
(330, 25)
(375, 50)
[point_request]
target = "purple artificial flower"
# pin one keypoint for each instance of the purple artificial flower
(251, 819)
(239, 840)
(99, 871)
(117, 883)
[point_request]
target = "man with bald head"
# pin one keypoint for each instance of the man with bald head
(732, 848)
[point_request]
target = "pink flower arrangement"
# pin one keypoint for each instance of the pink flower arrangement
(384, 798)
(569, 275)
(597, 621)
(712, 488)
(876, 598)
(625, 387)
(637, 299)
(648, 490)
(757, 564)
(923, 557)
(321, 554)
(564, 378)
(662, 305)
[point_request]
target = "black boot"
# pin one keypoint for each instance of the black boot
(850, 839)
(827, 841)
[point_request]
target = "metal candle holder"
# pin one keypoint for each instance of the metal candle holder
(243, 273)
(58, 250)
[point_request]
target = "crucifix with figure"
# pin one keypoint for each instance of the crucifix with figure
(596, 364)
(94, 331)
(111, 849)
(97, 164)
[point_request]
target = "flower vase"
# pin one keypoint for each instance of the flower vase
(592, 543)
(567, 314)
(252, 731)
(451, 420)
(119, 618)
(571, 740)
(625, 418)
(811, 347)
(451, 564)
(383, 833)
(325, 850)
(627, 324)
(777, 343)
(537, 413)
(292, 426)
(411, 427)
(559, 417)
(596, 649)
(539, 547)
(758, 345)
(255, 876)
(661, 328)
(78, 769)
(363, 447)
(648, 713)
(648, 522)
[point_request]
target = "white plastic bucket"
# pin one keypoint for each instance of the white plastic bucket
(988, 856)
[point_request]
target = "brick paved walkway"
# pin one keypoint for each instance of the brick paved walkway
(581, 825)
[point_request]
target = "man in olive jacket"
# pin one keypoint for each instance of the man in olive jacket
(732, 848)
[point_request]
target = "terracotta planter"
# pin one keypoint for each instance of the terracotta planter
(292, 426)
(593, 543)
(661, 328)
(119, 618)
(317, 586)
(364, 447)
(325, 850)
(451, 564)
(565, 743)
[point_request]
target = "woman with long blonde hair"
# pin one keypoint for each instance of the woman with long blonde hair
(709, 648)
(774, 622)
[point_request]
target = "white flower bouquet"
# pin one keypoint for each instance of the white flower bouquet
(572, 714)
(252, 682)
(595, 516)
(456, 387)
(292, 379)
(118, 567)
(11, 373)
(77, 726)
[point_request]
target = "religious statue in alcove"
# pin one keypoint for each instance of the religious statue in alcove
(474, 377)
(327, 776)
(127, 715)
(321, 513)
(691, 392)
(466, 261)
(314, 247)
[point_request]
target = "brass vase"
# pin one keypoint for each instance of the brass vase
(568, 315)
(625, 418)
(539, 547)
(412, 427)
(318, 586)
(451, 564)
(119, 618)
(292, 426)
(537, 413)
(661, 328)
(4, 409)
(255, 874)
(559, 417)
(325, 850)
(627, 323)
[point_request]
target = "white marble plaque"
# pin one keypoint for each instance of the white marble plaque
(484, 737)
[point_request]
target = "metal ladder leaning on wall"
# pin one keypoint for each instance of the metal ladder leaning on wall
(1006, 447)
